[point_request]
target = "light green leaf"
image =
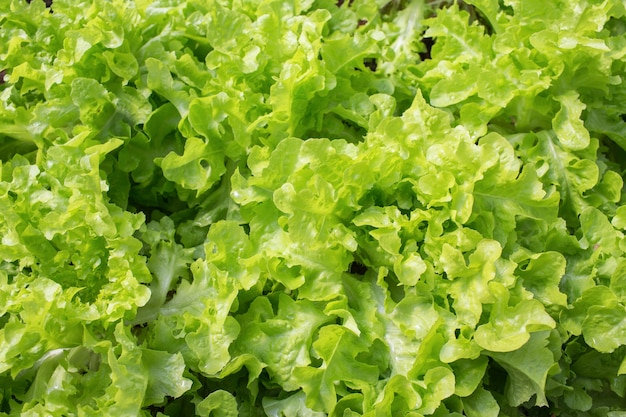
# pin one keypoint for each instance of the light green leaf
(542, 276)
(168, 262)
(481, 404)
(280, 341)
(292, 406)
(604, 327)
(470, 287)
(200, 309)
(567, 124)
(598, 233)
(198, 168)
(398, 397)
(165, 376)
(468, 373)
(439, 384)
(511, 327)
(219, 403)
(528, 369)
(337, 347)
(161, 81)
(123, 64)
(505, 194)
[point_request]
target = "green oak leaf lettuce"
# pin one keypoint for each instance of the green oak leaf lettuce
(312, 208)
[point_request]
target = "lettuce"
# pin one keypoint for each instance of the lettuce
(312, 208)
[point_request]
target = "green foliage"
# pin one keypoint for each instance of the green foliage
(312, 208)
